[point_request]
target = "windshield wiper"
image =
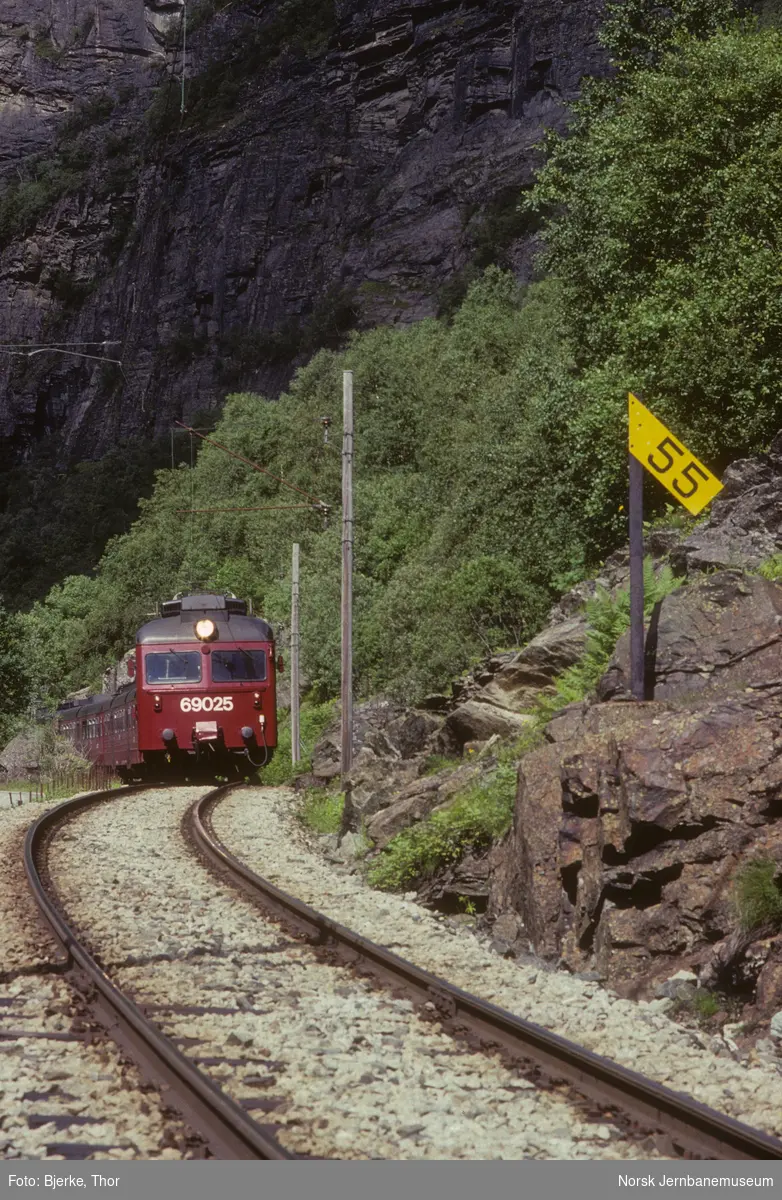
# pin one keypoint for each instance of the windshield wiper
(176, 654)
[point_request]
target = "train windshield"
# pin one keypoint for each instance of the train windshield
(173, 666)
(238, 666)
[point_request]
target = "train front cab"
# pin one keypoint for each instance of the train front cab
(206, 690)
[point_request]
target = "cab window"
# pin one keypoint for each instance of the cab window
(238, 666)
(173, 666)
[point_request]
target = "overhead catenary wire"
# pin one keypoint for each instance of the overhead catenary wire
(255, 466)
(55, 345)
(25, 350)
(264, 508)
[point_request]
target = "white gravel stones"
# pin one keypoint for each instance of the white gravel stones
(342, 1070)
(258, 826)
(59, 1098)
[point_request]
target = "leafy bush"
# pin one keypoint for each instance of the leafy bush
(637, 34)
(313, 721)
(322, 811)
(15, 674)
(460, 522)
(477, 817)
(470, 824)
(758, 898)
(705, 1004)
(666, 255)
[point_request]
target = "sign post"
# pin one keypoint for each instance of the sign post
(347, 571)
(636, 512)
(654, 448)
(295, 643)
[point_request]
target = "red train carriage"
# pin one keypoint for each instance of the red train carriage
(104, 729)
(203, 701)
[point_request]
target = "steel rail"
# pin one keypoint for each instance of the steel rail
(692, 1127)
(227, 1129)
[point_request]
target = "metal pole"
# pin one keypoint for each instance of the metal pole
(184, 55)
(636, 578)
(347, 571)
(295, 739)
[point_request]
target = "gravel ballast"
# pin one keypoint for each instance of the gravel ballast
(340, 1069)
(259, 826)
(60, 1098)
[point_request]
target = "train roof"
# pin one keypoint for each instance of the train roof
(73, 710)
(228, 614)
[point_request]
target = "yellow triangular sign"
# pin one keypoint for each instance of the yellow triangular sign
(665, 457)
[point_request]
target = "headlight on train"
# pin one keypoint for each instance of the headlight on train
(205, 629)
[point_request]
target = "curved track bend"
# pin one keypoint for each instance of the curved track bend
(227, 1129)
(689, 1128)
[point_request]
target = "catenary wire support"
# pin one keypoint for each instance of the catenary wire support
(184, 55)
(347, 571)
(295, 646)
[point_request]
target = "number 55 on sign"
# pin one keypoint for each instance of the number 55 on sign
(668, 460)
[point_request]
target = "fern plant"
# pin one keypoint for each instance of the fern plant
(772, 567)
(607, 617)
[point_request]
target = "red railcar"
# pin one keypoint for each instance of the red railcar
(202, 701)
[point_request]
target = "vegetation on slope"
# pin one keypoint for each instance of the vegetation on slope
(446, 479)
(757, 895)
(664, 208)
(491, 460)
(55, 523)
(484, 810)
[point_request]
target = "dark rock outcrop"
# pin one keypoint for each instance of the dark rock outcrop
(744, 526)
(631, 822)
(345, 186)
(381, 730)
(725, 632)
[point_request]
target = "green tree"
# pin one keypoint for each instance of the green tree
(664, 210)
(15, 674)
(637, 33)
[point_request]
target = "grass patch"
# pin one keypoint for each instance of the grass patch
(758, 899)
(439, 762)
(705, 1004)
(471, 823)
(313, 720)
(322, 811)
(477, 817)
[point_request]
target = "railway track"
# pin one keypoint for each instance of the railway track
(226, 1127)
(685, 1126)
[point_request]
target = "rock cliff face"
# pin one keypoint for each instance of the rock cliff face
(631, 823)
(300, 194)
